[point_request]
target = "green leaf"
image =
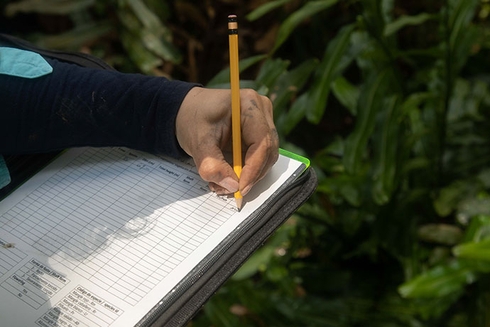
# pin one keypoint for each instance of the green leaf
(289, 84)
(450, 196)
(330, 67)
(350, 188)
(461, 14)
(148, 19)
(223, 76)
(473, 206)
(414, 101)
(75, 38)
(218, 312)
(270, 71)
(265, 8)
(374, 17)
(373, 56)
(287, 122)
(462, 33)
(149, 30)
(478, 229)
(387, 7)
(53, 7)
(416, 124)
(262, 259)
(257, 262)
(473, 250)
(160, 47)
(439, 281)
(417, 163)
(385, 164)
(145, 60)
(395, 26)
(346, 93)
(309, 9)
(370, 102)
(276, 273)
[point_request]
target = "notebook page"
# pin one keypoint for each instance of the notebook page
(101, 235)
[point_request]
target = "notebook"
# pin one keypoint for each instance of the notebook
(118, 237)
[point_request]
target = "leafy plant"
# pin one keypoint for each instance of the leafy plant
(390, 100)
(397, 231)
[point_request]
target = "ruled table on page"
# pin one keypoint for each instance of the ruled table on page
(105, 210)
(102, 235)
(101, 240)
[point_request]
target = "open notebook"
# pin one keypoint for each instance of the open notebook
(112, 236)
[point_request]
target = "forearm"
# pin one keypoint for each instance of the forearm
(75, 106)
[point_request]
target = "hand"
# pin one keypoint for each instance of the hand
(203, 129)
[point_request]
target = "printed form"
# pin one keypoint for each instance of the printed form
(101, 235)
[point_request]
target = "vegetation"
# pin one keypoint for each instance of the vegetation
(390, 101)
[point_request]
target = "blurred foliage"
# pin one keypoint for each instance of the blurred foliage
(390, 100)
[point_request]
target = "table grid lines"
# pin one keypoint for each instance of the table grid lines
(103, 200)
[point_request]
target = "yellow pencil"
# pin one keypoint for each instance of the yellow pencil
(235, 102)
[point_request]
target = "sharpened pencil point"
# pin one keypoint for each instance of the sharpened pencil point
(239, 202)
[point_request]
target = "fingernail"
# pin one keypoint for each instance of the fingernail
(230, 184)
(246, 189)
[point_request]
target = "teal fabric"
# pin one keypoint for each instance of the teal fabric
(22, 63)
(4, 173)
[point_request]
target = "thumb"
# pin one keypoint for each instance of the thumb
(216, 170)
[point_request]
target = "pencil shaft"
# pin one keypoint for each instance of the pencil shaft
(235, 105)
(235, 101)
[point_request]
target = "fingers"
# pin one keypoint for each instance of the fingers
(222, 179)
(203, 129)
(260, 138)
(218, 189)
(213, 167)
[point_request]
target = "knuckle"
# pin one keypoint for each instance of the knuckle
(264, 101)
(208, 171)
(214, 170)
(267, 103)
(249, 93)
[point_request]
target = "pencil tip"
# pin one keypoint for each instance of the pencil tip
(239, 202)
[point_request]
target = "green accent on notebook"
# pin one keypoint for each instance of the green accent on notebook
(295, 156)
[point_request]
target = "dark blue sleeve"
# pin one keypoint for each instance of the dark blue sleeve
(75, 106)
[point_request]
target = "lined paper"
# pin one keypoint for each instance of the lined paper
(102, 234)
